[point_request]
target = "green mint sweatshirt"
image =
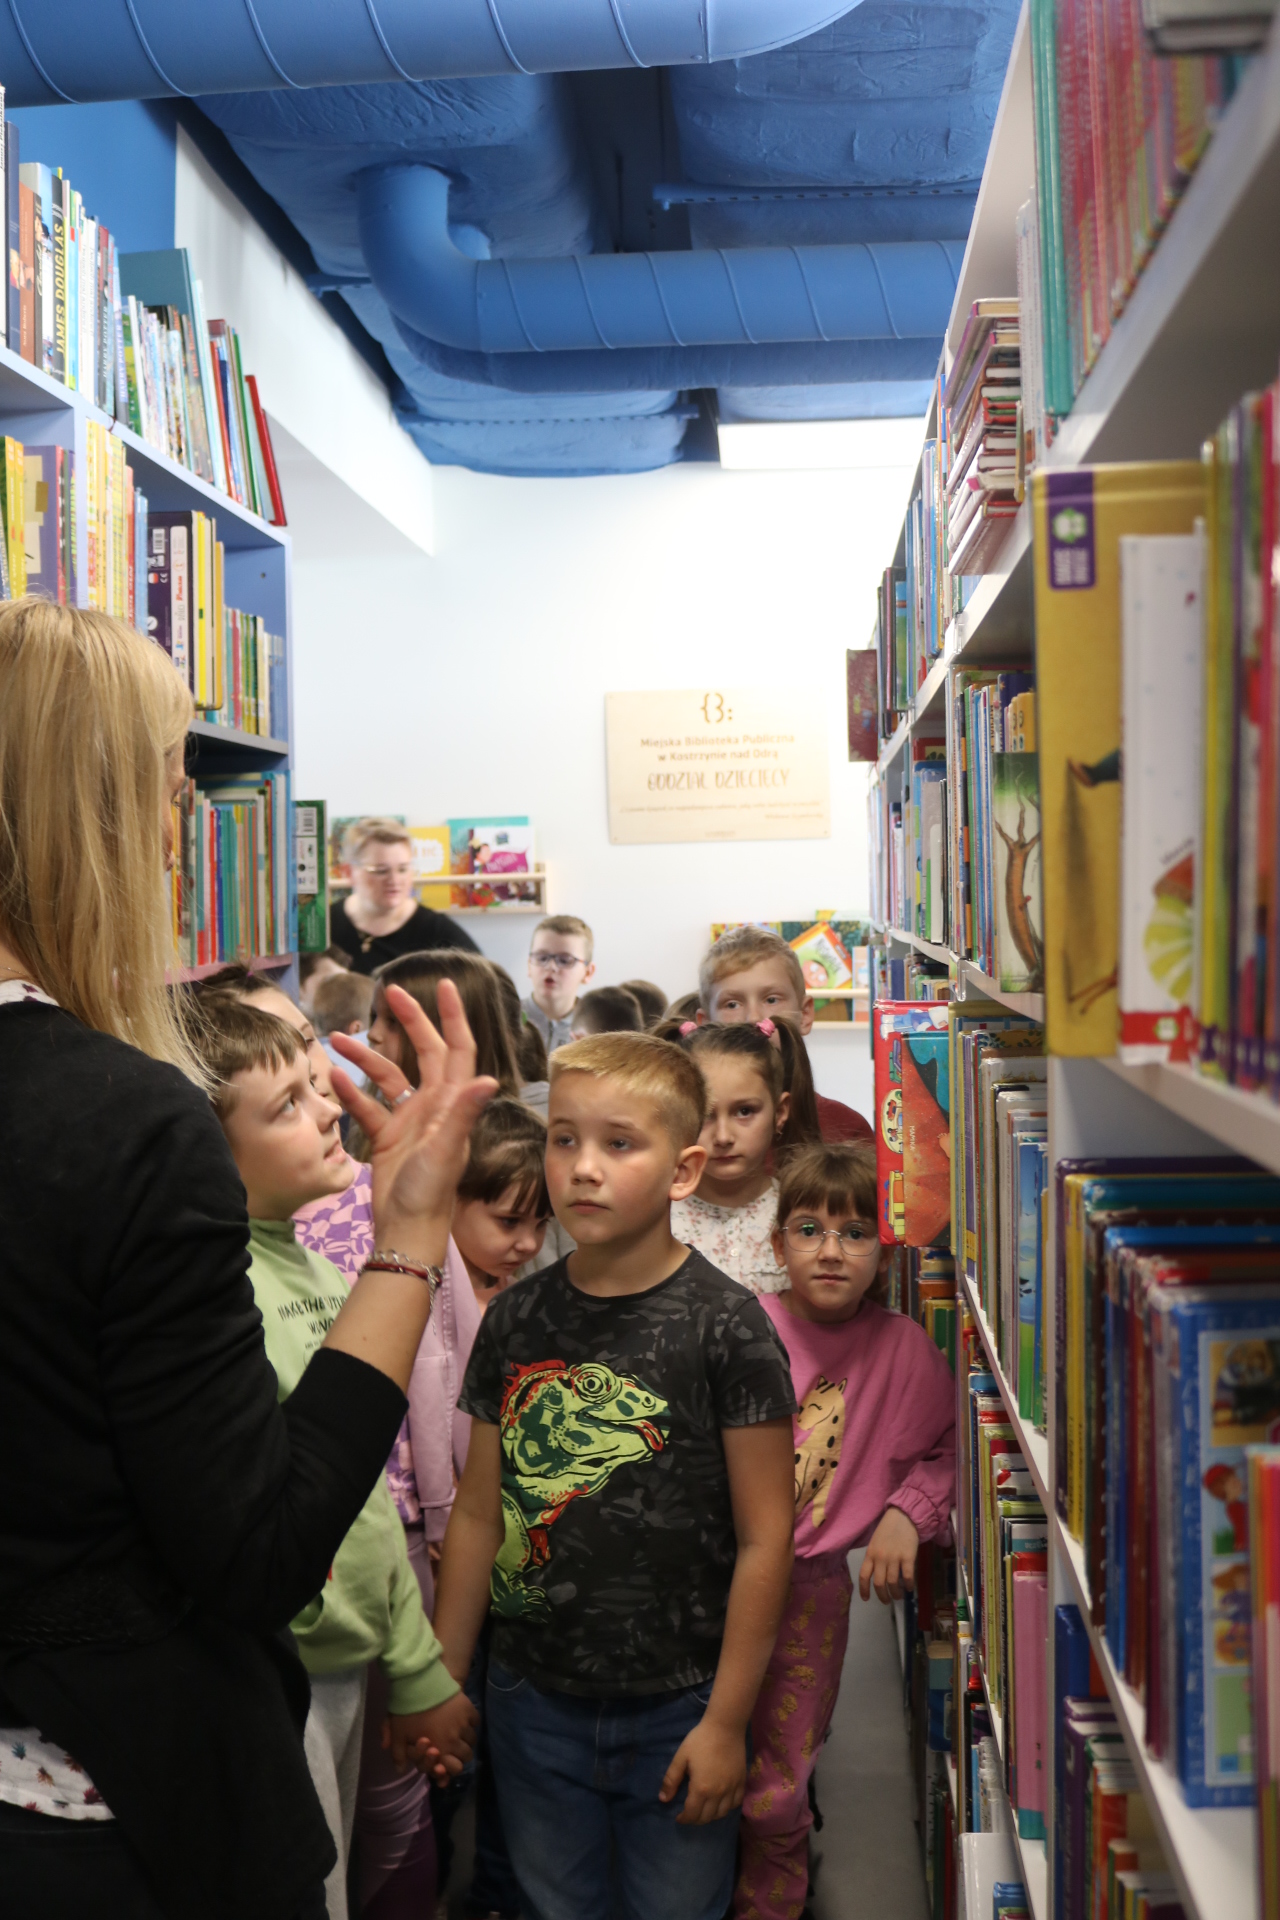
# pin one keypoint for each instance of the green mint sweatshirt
(371, 1606)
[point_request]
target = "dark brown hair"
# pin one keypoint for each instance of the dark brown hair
(784, 1069)
(508, 1149)
(308, 962)
(840, 1177)
(609, 1010)
(653, 1001)
(477, 983)
(231, 1037)
(530, 1048)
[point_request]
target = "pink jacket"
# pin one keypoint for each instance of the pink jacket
(438, 1431)
(432, 1444)
(876, 1426)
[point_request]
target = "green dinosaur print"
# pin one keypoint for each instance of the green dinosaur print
(564, 1432)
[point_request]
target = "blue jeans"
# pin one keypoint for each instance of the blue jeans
(578, 1786)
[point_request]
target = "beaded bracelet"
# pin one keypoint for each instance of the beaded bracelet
(392, 1262)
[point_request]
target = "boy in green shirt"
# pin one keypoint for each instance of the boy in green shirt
(285, 1141)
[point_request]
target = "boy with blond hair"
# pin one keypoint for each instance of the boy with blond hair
(560, 965)
(625, 1515)
(752, 974)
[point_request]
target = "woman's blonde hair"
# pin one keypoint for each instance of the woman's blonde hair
(374, 827)
(89, 713)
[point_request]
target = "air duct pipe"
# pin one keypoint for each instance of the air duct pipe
(741, 296)
(79, 50)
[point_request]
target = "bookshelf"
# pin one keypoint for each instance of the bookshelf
(35, 408)
(1201, 327)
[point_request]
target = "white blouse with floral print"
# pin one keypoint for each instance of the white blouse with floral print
(735, 1239)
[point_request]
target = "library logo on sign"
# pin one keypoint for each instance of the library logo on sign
(1071, 544)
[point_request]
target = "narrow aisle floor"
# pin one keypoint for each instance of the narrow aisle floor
(869, 1855)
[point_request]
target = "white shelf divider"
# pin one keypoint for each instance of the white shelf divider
(1248, 1123)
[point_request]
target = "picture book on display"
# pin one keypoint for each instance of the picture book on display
(1162, 616)
(497, 845)
(1080, 516)
(913, 1123)
(860, 689)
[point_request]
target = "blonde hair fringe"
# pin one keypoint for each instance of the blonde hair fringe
(89, 713)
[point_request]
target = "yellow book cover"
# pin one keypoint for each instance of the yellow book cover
(15, 516)
(1079, 517)
(430, 856)
(220, 662)
(200, 598)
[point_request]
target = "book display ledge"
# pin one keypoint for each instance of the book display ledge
(1202, 325)
(35, 407)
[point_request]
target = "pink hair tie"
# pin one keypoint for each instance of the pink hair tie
(767, 1028)
(687, 1027)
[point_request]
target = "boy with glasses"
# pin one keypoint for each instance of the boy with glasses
(560, 966)
(874, 1471)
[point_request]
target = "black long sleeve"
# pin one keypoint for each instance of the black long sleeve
(141, 1441)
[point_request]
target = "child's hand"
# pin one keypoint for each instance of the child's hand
(438, 1739)
(714, 1757)
(890, 1561)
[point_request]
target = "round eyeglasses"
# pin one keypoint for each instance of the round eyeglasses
(802, 1234)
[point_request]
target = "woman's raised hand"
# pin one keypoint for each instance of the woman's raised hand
(420, 1137)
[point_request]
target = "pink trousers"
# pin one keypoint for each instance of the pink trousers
(787, 1730)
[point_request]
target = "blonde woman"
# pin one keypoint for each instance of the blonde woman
(380, 918)
(161, 1516)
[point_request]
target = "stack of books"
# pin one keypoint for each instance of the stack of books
(129, 331)
(1168, 1302)
(983, 402)
(38, 507)
(1118, 134)
(997, 1077)
(234, 666)
(233, 883)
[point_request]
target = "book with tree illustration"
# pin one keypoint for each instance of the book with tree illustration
(1015, 817)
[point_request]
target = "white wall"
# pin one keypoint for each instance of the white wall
(312, 380)
(475, 681)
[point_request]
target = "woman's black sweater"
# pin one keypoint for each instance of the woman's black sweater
(162, 1517)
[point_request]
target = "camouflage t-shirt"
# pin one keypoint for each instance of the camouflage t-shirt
(613, 1575)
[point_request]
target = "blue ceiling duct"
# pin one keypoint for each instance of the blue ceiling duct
(82, 50)
(746, 296)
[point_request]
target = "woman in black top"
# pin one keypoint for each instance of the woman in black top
(162, 1517)
(379, 919)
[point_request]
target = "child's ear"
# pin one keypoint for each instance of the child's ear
(688, 1171)
(778, 1242)
(782, 1112)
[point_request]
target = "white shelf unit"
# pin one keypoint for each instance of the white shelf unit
(39, 410)
(1202, 326)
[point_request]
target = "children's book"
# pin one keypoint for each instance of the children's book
(1015, 818)
(44, 471)
(431, 852)
(310, 853)
(1079, 518)
(910, 1042)
(491, 844)
(1225, 1367)
(1162, 594)
(860, 682)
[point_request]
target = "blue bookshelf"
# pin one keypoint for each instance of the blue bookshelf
(37, 409)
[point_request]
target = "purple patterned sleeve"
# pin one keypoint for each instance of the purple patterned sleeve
(341, 1228)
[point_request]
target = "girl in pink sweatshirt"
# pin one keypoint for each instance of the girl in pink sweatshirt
(874, 1470)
